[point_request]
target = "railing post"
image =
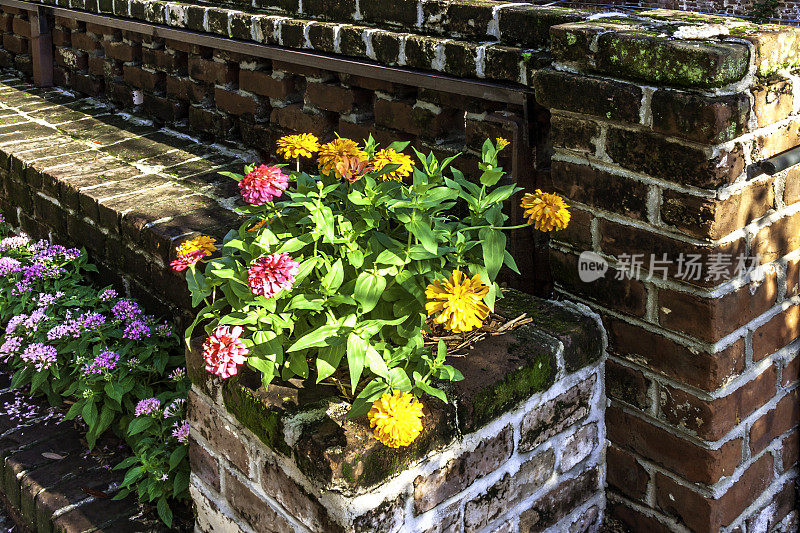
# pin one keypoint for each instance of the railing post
(41, 47)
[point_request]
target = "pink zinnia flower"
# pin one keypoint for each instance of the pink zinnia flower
(263, 184)
(223, 352)
(186, 260)
(269, 274)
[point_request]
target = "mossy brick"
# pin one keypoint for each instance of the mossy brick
(138, 9)
(155, 12)
(777, 48)
(657, 59)
(661, 157)
(609, 99)
(386, 47)
(321, 36)
(293, 33)
(341, 10)
(121, 8)
(421, 51)
(381, 12)
(105, 6)
(286, 6)
(502, 63)
(572, 43)
(217, 21)
(351, 41)
(241, 26)
(460, 59)
(195, 17)
(264, 29)
(258, 410)
(701, 118)
(529, 26)
(467, 19)
(341, 452)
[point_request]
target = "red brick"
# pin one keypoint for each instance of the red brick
(71, 59)
(692, 462)
(216, 432)
(263, 84)
(779, 140)
(293, 117)
(604, 98)
(705, 515)
(21, 27)
(793, 278)
(775, 422)
(61, 37)
(620, 239)
(694, 367)
(186, 89)
(628, 385)
(300, 70)
(713, 419)
(333, 97)
(144, 79)
(234, 102)
(791, 190)
(85, 42)
(204, 465)
(597, 188)
(162, 60)
(405, 116)
(635, 521)
(578, 233)
(625, 474)
(86, 84)
(574, 134)
(99, 29)
(16, 44)
(122, 51)
(65, 22)
(255, 511)
(711, 319)
(791, 372)
(779, 332)
(707, 218)
(700, 118)
(778, 239)
(626, 295)
(6, 22)
(211, 71)
(791, 450)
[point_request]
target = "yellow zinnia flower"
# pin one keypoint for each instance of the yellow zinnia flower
(396, 419)
(502, 143)
(202, 242)
(390, 157)
(546, 211)
(294, 146)
(458, 302)
(335, 151)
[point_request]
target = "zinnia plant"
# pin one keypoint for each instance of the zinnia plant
(339, 276)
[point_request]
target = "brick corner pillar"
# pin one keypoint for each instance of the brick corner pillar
(658, 127)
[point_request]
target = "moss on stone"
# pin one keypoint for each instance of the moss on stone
(253, 414)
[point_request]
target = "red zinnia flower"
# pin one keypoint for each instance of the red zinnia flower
(223, 351)
(267, 275)
(186, 260)
(263, 184)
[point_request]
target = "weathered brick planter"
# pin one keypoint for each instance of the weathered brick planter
(521, 442)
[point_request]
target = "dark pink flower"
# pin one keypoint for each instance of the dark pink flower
(187, 260)
(263, 184)
(267, 275)
(223, 351)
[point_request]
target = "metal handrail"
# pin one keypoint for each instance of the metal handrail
(484, 90)
(780, 162)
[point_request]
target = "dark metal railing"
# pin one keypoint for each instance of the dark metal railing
(781, 162)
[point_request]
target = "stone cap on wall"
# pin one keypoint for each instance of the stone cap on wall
(308, 423)
(487, 39)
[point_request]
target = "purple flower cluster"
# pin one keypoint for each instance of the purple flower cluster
(75, 327)
(33, 273)
(9, 265)
(11, 243)
(164, 330)
(178, 374)
(10, 347)
(108, 294)
(175, 408)
(126, 309)
(136, 330)
(46, 299)
(29, 322)
(103, 362)
(181, 432)
(52, 251)
(148, 406)
(40, 355)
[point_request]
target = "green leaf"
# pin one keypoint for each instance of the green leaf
(298, 364)
(368, 290)
(315, 338)
(89, 413)
(494, 247)
(363, 401)
(164, 512)
(423, 233)
(356, 355)
(391, 257)
(295, 243)
(114, 391)
(428, 389)
(398, 379)
(177, 456)
(376, 363)
(328, 360)
(181, 484)
(335, 276)
(132, 475)
(137, 425)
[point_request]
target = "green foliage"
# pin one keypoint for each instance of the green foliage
(366, 251)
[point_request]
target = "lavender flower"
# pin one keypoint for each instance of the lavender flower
(136, 330)
(10, 243)
(40, 355)
(174, 408)
(46, 300)
(178, 374)
(75, 327)
(104, 362)
(164, 330)
(14, 322)
(126, 309)
(148, 406)
(8, 266)
(108, 294)
(37, 317)
(181, 432)
(11, 346)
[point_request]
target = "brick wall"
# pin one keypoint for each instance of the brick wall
(532, 461)
(785, 12)
(702, 373)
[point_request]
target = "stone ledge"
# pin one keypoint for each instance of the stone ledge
(309, 425)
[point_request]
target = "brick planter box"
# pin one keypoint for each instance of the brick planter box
(521, 444)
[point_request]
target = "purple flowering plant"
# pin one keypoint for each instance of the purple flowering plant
(67, 340)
